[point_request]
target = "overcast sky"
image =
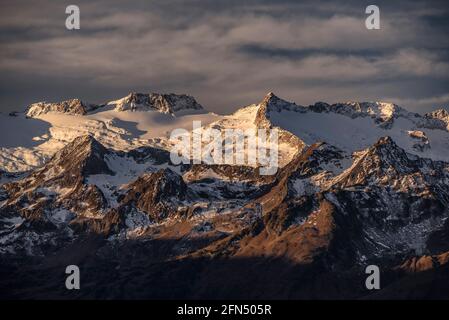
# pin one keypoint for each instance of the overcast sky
(226, 54)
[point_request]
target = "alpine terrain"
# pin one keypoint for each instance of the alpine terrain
(93, 185)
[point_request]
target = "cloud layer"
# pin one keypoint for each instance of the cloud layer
(226, 53)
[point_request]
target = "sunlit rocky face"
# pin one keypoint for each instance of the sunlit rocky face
(119, 181)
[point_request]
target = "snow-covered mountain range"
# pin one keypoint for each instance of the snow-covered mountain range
(358, 183)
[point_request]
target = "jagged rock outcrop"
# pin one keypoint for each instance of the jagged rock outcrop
(384, 113)
(159, 194)
(164, 103)
(72, 107)
(61, 182)
(437, 119)
(387, 204)
(272, 103)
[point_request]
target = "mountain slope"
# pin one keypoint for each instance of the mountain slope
(355, 126)
(357, 184)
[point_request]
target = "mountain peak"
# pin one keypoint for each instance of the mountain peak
(440, 114)
(71, 106)
(271, 99)
(156, 193)
(86, 140)
(387, 153)
(387, 150)
(270, 95)
(384, 161)
(84, 153)
(271, 103)
(164, 103)
(385, 141)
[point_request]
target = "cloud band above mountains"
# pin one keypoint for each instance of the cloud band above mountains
(226, 53)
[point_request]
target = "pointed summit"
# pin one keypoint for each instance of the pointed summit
(274, 103)
(387, 153)
(83, 156)
(383, 162)
(69, 170)
(269, 96)
(87, 143)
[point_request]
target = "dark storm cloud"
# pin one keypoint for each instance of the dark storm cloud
(226, 53)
